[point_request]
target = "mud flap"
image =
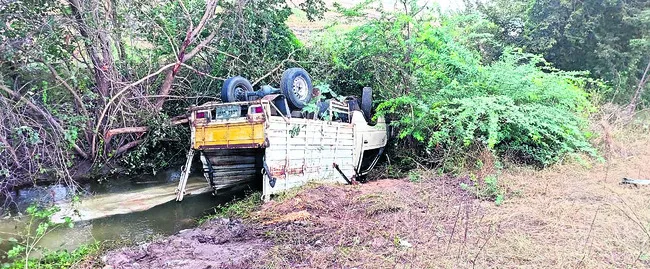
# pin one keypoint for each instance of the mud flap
(268, 182)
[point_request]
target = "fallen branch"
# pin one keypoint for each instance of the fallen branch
(138, 129)
(127, 146)
(126, 130)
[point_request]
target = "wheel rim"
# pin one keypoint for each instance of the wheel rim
(240, 94)
(300, 88)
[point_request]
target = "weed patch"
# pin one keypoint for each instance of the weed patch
(486, 189)
(241, 208)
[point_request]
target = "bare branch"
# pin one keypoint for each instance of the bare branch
(639, 90)
(12, 152)
(127, 87)
(76, 96)
(275, 69)
(45, 115)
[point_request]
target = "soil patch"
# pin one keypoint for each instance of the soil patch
(220, 243)
(568, 216)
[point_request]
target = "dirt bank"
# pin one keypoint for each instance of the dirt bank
(566, 216)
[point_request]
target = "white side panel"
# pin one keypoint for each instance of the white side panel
(305, 150)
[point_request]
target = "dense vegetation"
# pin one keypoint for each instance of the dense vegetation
(103, 85)
(98, 84)
(446, 100)
(610, 39)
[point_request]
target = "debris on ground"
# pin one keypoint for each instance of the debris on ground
(635, 181)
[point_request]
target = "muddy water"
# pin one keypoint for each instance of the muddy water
(162, 219)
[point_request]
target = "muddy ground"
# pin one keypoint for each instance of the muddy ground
(568, 216)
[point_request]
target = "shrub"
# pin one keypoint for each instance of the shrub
(432, 80)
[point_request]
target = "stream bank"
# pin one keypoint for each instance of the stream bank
(121, 209)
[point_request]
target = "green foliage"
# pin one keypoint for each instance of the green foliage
(40, 224)
(447, 97)
(163, 144)
(487, 189)
(414, 176)
(56, 259)
(241, 208)
(512, 108)
(607, 38)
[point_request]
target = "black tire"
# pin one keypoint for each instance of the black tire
(296, 86)
(366, 103)
(234, 89)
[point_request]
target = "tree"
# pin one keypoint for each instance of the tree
(607, 38)
(86, 80)
(450, 101)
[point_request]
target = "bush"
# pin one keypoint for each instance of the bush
(432, 81)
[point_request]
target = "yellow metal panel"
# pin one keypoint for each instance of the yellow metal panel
(242, 134)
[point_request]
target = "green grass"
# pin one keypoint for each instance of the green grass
(57, 259)
(240, 208)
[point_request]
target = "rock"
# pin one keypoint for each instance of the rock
(404, 243)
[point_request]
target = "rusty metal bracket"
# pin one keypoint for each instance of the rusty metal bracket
(268, 174)
(211, 176)
(336, 166)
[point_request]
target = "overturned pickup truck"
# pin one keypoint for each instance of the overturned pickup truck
(267, 135)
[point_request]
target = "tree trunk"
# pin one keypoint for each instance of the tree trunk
(100, 80)
(639, 91)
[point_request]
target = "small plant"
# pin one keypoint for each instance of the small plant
(39, 225)
(414, 176)
(487, 189)
(240, 208)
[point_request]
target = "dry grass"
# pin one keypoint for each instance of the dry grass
(568, 216)
(573, 216)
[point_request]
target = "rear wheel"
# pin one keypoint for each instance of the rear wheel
(297, 87)
(234, 89)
